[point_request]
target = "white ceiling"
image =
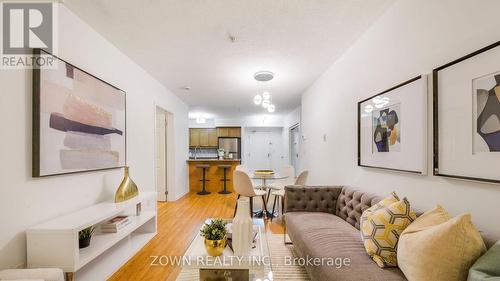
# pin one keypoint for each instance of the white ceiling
(186, 43)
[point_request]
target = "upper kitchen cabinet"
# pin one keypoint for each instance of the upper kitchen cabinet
(222, 132)
(213, 141)
(203, 137)
(194, 137)
(232, 132)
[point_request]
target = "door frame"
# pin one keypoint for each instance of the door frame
(290, 145)
(169, 151)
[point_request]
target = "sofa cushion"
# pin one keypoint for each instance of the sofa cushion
(435, 247)
(486, 267)
(381, 226)
(324, 235)
(352, 203)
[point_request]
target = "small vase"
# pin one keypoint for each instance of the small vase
(84, 242)
(242, 228)
(127, 189)
(215, 247)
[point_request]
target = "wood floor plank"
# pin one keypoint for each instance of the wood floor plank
(178, 223)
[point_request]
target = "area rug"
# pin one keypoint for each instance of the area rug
(281, 271)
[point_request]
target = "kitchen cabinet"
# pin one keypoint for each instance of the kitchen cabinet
(194, 137)
(213, 140)
(203, 137)
(232, 132)
(222, 132)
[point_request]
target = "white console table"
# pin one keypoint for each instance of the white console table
(55, 242)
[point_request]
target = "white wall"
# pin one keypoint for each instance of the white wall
(411, 38)
(210, 123)
(26, 201)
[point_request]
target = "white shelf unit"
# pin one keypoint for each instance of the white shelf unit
(55, 242)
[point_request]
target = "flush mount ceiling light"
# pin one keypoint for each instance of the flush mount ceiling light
(263, 76)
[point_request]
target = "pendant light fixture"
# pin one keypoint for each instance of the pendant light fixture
(264, 99)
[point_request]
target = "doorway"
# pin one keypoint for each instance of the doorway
(295, 148)
(164, 154)
(263, 148)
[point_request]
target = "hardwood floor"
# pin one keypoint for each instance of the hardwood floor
(178, 223)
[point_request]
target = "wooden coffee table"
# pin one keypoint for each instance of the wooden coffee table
(256, 265)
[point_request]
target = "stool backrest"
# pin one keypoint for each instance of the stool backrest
(242, 184)
(302, 178)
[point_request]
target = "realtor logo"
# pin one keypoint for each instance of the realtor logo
(26, 26)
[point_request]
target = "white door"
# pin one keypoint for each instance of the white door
(263, 149)
(161, 155)
(295, 149)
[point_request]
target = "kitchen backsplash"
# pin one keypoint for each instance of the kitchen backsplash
(203, 153)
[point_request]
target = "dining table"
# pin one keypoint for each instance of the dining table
(265, 178)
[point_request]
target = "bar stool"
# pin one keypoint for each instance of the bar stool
(204, 180)
(225, 179)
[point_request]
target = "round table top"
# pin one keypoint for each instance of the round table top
(268, 177)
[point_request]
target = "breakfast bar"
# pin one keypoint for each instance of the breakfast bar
(214, 174)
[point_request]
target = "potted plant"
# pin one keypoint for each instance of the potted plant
(221, 152)
(215, 237)
(84, 237)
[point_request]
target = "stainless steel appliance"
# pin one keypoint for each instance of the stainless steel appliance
(232, 146)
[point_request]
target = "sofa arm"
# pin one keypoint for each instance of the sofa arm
(46, 274)
(311, 198)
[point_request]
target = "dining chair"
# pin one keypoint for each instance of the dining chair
(287, 171)
(244, 187)
(242, 168)
(245, 169)
(300, 180)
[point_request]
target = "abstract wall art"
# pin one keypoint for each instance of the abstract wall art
(392, 128)
(387, 129)
(466, 98)
(487, 114)
(78, 122)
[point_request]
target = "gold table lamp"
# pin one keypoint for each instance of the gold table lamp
(127, 189)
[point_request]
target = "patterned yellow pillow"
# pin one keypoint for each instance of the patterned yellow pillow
(381, 226)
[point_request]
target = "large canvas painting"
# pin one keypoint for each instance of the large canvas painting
(79, 122)
(387, 129)
(392, 127)
(467, 116)
(486, 95)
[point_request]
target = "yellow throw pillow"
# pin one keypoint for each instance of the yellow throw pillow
(381, 226)
(435, 247)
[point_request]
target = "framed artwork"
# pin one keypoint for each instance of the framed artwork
(467, 116)
(79, 121)
(392, 128)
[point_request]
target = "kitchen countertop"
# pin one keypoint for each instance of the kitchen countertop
(213, 160)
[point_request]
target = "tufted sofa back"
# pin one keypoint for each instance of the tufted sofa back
(311, 198)
(342, 201)
(352, 203)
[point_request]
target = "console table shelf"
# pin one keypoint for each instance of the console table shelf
(55, 242)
